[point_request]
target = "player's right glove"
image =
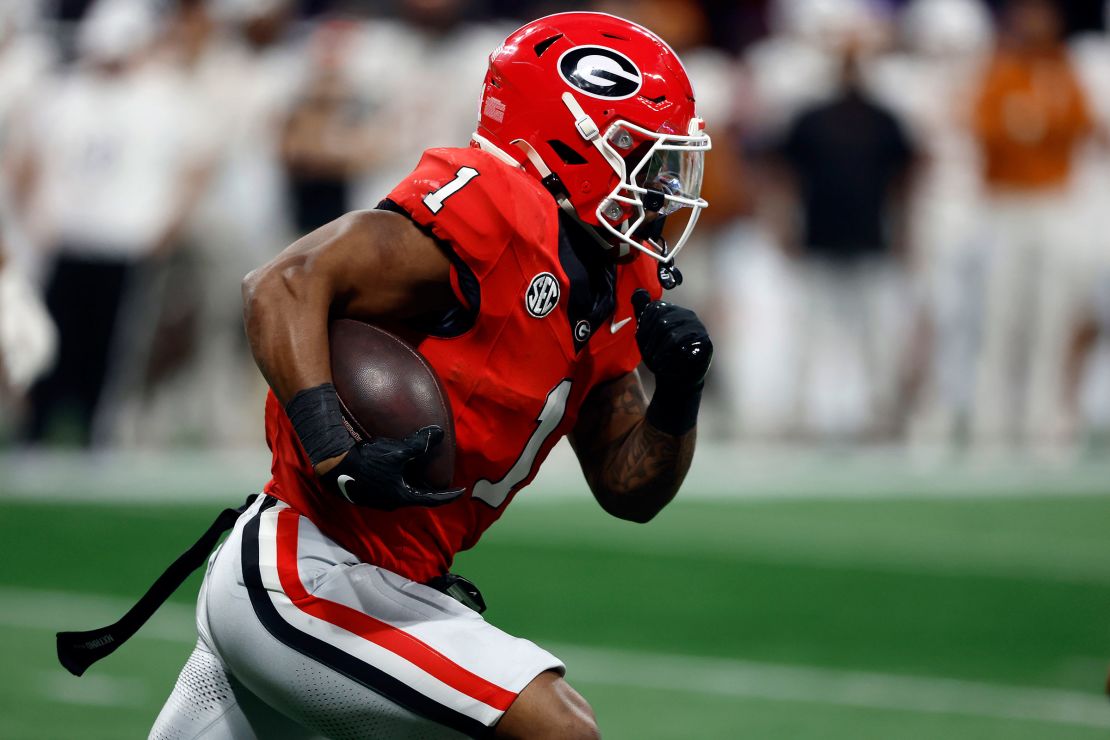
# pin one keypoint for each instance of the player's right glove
(373, 473)
(676, 347)
(370, 473)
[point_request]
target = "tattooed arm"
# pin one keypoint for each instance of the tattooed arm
(633, 469)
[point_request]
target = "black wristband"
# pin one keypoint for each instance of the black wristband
(674, 412)
(318, 421)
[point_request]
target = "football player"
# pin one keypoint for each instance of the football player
(528, 269)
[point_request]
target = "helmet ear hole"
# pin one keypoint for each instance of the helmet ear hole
(566, 152)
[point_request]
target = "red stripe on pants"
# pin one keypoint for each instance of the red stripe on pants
(395, 640)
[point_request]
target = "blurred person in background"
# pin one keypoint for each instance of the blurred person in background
(793, 68)
(109, 175)
(28, 337)
(416, 77)
(26, 59)
(684, 25)
(1087, 373)
(932, 84)
(1089, 334)
(248, 73)
(326, 140)
(846, 165)
(1031, 117)
(798, 63)
(240, 63)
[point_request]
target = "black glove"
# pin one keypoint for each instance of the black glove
(675, 346)
(373, 473)
(673, 342)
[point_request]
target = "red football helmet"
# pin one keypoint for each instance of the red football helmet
(602, 111)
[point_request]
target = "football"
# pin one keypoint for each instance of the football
(387, 389)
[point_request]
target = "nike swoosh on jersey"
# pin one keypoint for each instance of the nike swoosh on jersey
(615, 326)
(343, 480)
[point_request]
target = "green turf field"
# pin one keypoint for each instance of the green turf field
(900, 618)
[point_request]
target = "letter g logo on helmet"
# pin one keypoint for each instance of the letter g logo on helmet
(600, 72)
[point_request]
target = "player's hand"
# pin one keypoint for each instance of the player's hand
(673, 342)
(373, 473)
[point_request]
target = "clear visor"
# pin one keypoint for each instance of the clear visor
(675, 172)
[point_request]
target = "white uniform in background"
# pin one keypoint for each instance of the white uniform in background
(714, 77)
(754, 282)
(932, 87)
(27, 60)
(28, 337)
(115, 154)
(1091, 53)
(814, 347)
(1037, 282)
(241, 221)
(419, 88)
(1035, 292)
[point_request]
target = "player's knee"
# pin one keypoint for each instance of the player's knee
(549, 708)
(580, 732)
(585, 728)
(572, 722)
(575, 720)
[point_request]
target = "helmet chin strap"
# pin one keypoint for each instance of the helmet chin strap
(558, 190)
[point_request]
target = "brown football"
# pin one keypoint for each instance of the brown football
(387, 389)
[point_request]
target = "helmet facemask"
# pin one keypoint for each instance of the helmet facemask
(657, 174)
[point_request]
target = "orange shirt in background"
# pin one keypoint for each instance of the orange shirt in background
(1031, 114)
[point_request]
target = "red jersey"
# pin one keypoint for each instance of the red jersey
(534, 345)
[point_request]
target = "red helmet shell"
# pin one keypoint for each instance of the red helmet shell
(615, 69)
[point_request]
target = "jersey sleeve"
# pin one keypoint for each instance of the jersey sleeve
(465, 199)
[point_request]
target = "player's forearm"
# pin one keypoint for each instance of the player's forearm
(647, 450)
(643, 473)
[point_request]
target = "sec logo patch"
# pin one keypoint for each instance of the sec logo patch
(542, 295)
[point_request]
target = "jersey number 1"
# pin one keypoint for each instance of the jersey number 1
(554, 407)
(434, 200)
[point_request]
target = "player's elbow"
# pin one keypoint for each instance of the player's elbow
(249, 286)
(261, 303)
(258, 295)
(639, 516)
(630, 507)
(643, 514)
(272, 287)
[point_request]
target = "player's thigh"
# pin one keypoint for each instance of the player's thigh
(349, 649)
(549, 708)
(288, 659)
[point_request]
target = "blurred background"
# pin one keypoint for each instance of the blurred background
(896, 523)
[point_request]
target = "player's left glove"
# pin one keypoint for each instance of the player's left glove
(676, 347)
